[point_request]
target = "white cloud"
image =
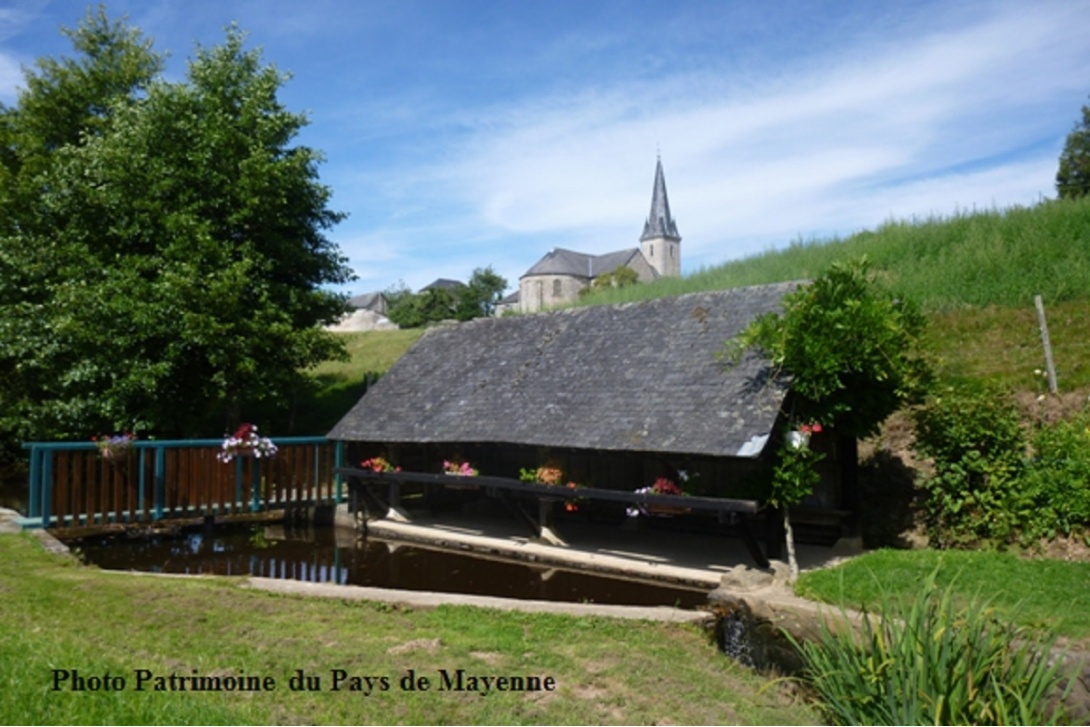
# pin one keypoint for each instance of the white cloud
(830, 148)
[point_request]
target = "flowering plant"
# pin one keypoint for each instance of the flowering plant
(662, 485)
(115, 447)
(545, 475)
(458, 468)
(244, 441)
(800, 438)
(378, 464)
(550, 474)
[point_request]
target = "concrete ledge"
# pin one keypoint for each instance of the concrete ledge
(527, 550)
(430, 599)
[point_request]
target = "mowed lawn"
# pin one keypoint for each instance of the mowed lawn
(59, 618)
(1039, 593)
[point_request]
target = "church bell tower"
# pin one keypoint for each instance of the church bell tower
(660, 243)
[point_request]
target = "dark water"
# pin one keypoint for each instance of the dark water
(315, 555)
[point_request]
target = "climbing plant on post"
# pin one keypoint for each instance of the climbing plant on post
(852, 351)
(793, 478)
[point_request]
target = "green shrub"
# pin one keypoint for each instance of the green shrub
(984, 489)
(931, 662)
(1056, 487)
(977, 447)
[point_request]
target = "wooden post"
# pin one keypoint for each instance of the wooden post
(1050, 366)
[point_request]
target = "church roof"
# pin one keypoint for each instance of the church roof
(659, 222)
(632, 377)
(579, 264)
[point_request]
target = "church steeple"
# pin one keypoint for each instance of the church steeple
(660, 242)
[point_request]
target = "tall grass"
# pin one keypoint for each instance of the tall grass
(933, 662)
(995, 257)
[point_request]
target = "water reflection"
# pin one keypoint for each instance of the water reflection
(330, 555)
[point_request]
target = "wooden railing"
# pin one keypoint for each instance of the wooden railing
(72, 485)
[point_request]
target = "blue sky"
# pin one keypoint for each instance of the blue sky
(462, 133)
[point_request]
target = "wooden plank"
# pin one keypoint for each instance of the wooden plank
(91, 467)
(712, 504)
(115, 489)
(62, 496)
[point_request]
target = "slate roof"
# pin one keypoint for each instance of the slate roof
(443, 284)
(659, 222)
(634, 377)
(367, 301)
(579, 264)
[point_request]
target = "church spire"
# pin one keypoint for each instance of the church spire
(659, 223)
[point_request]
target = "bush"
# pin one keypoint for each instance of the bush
(1056, 487)
(933, 663)
(978, 449)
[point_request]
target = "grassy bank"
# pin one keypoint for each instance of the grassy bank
(975, 273)
(997, 257)
(55, 614)
(1033, 592)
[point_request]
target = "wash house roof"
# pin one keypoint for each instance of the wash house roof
(633, 377)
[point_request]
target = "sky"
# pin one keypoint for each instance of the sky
(460, 134)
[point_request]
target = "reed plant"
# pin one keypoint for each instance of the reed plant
(933, 661)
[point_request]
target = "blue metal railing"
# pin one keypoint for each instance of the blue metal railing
(302, 472)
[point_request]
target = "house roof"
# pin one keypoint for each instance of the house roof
(581, 265)
(443, 284)
(367, 301)
(634, 377)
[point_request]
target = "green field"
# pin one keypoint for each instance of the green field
(57, 615)
(1033, 593)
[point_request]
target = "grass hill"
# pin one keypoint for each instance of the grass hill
(975, 273)
(999, 258)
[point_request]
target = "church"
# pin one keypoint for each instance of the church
(557, 278)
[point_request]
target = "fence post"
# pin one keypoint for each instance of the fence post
(141, 483)
(160, 480)
(34, 505)
(47, 487)
(338, 462)
(1049, 364)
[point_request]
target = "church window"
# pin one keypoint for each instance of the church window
(652, 250)
(556, 288)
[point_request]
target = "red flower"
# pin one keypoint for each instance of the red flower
(244, 431)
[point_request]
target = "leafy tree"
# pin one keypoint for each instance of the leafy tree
(852, 352)
(475, 300)
(622, 277)
(1073, 177)
(850, 347)
(482, 295)
(171, 263)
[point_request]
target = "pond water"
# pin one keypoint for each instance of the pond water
(322, 555)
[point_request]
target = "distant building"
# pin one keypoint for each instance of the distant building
(369, 314)
(558, 277)
(443, 284)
